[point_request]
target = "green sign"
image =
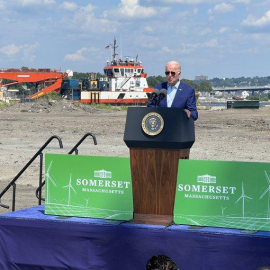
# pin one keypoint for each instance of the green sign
(223, 194)
(88, 186)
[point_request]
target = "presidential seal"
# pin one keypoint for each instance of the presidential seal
(152, 124)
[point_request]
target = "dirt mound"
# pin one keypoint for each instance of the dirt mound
(50, 106)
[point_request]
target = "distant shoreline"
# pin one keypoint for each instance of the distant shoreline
(224, 104)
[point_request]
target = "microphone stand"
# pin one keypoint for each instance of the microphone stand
(160, 97)
(154, 99)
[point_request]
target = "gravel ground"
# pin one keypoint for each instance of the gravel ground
(232, 135)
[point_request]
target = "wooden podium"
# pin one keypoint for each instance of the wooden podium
(154, 160)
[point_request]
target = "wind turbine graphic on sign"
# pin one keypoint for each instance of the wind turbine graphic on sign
(267, 191)
(87, 201)
(49, 179)
(70, 187)
(222, 210)
(243, 197)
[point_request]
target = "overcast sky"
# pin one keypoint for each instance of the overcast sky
(223, 39)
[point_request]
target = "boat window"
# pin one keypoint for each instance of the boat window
(116, 70)
(109, 72)
(121, 96)
(138, 70)
(122, 72)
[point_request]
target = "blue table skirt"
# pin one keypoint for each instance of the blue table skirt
(29, 239)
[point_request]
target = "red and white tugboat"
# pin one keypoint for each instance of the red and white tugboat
(124, 82)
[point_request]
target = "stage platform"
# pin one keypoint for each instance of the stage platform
(31, 240)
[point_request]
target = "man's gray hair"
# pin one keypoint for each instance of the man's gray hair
(173, 63)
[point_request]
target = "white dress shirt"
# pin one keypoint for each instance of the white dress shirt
(171, 92)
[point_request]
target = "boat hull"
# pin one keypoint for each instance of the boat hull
(243, 104)
(116, 97)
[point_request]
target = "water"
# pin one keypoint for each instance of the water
(213, 104)
(224, 104)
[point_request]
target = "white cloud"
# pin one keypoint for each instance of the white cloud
(83, 20)
(183, 14)
(147, 41)
(88, 8)
(82, 55)
(223, 8)
(2, 5)
(28, 2)
(166, 49)
(220, 8)
(70, 6)
(241, 1)
(262, 22)
(34, 2)
(187, 48)
(210, 43)
(259, 37)
(49, 2)
(78, 56)
(132, 9)
(26, 50)
(223, 30)
(10, 50)
(205, 32)
(148, 29)
(190, 2)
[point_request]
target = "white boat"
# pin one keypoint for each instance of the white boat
(124, 82)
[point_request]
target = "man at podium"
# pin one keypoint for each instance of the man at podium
(157, 138)
(174, 93)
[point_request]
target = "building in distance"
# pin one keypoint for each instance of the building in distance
(201, 78)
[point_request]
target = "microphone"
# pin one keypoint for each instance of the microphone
(162, 95)
(154, 95)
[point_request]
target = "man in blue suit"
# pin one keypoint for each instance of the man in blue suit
(179, 94)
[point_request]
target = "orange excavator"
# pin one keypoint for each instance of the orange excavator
(48, 80)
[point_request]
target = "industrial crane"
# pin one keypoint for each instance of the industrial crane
(48, 80)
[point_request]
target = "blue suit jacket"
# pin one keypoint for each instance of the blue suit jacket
(184, 99)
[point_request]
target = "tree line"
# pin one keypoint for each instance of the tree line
(207, 86)
(201, 86)
(241, 81)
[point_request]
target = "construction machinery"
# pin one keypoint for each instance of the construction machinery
(46, 80)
